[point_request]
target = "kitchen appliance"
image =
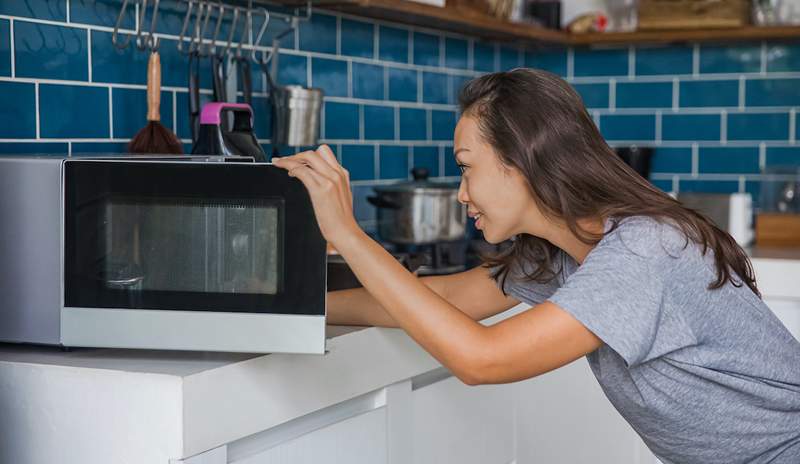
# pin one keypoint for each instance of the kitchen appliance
(215, 139)
(182, 253)
(419, 212)
(731, 212)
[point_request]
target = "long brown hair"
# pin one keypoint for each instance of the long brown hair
(538, 124)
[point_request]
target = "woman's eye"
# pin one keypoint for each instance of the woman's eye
(462, 167)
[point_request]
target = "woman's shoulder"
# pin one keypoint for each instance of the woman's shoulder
(646, 236)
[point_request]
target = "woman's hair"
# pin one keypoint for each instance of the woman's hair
(538, 124)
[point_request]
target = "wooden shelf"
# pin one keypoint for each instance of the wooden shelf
(487, 27)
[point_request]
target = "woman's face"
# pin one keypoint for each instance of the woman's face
(495, 194)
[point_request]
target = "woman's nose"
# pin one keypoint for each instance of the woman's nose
(462, 196)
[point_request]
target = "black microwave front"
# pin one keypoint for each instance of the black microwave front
(184, 254)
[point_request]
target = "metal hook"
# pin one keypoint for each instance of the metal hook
(152, 40)
(231, 32)
(114, 39)
(185, 25)
(213, 47)
(141, 44)
(248, 25)
(201, 30)
(260, 35)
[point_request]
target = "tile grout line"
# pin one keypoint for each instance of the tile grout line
(695, 160)
(375, 42)
(441, 52)
(762, 156)
(419, 87)
(68, 16)
(175, 112)
(376, 160)
(658, 127)
(612, 95)
(741, 93)
(38, 113)
(723, 131)
(429, 123)
(696, 60)
(440, 156)
(741, 184)
(471, 54)
(89, 51)
(409, 161)
(676, 94)
(110, 115)
(570, 63)
(631, 62)
(339, 35)
(792, 125)
(69, 149)
(397, 123)
(349, 78)
(410, 47)
(12, 49)
(361, 130)
(763, 58)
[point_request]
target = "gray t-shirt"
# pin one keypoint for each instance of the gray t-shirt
(702, 376)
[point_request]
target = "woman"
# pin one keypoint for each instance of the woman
(663, 304)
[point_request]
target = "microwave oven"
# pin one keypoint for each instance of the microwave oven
(177, 253)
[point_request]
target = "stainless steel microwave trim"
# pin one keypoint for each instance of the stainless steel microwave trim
(199, 330)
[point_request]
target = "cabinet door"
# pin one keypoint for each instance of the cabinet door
(454, 422)
(357, 440)
(788, 311)
(564, 417)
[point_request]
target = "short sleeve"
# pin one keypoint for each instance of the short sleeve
(529, 291)
(619, 294)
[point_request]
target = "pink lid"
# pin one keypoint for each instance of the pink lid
(211, 111)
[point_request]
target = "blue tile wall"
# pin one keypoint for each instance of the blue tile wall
(391, 92)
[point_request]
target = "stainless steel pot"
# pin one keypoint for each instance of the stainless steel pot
(419, 212)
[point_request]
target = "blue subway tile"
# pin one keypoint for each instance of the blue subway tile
(612, 62)
(262, 117)
(292, 69)
(458, 84)
(434, 88)
(553, 60)
(358, 38)
(330, 76)
(318, 34)
(359, 160)
(51, 52)
(690, 127)
(628, 127)
(443, 124)
(783, 156)
(368, 81)
(73, 112)
(402, 84)
(182, 113)
(730, 59)
(694, 94)
(393, 162)
(509, 58)
(728, 160)
(450, 167)
(708, 186)
(413, 124)
(5, 48)
(669, 60)
(455, 53)
(53, 10)
(110, 64)
(644, 94)
(99, 12)
(772, 92)
(426, 49)
(341, 120)
(428, 158)
(171, 14)
(758, 126)
(483, 57)
(393, 44)
(276, 28)
(15, 123)
(99, 147)
(33, 148)
(378, 122)
(174, 66)
(664, 185)
(783, 57)
(593, 95)
(129, 108)
(671, 160)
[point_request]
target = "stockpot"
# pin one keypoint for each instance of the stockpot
(419, 212)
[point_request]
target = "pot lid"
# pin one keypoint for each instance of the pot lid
(419, 184)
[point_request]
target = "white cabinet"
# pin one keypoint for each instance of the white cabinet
(357, 440)
(564, 417)
(458, 423)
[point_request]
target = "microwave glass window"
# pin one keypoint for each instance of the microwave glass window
(192, 245)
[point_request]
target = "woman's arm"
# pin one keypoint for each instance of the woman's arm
(523, 346)
(473, 292)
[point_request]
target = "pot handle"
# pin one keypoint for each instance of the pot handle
(381, 202)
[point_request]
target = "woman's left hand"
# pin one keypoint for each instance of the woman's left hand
(328, 185)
